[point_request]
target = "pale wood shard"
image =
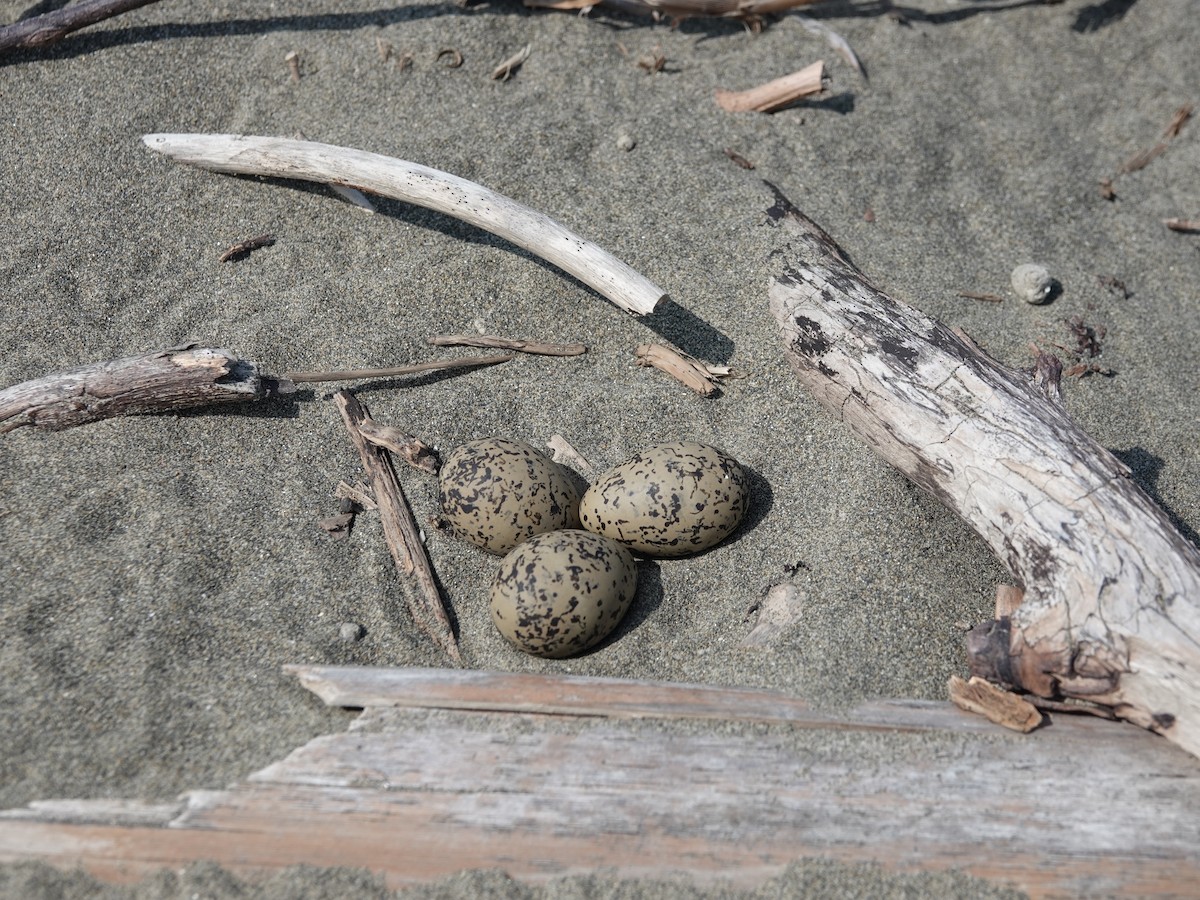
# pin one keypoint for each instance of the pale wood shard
(996, 705)
(782, 606)
(562, 451)
(1008, 600)
(418, 794)
(687, 370)
(1111, 611)
(411, 449)
(164, 381)
(505, 70)
(540, 348)
(358, 493)
(422, 186)
(775, 95)
(400, 531)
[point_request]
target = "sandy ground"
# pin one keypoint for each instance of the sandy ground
(156, 573)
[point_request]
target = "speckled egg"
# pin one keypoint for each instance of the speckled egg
(560, 593)
(674, 500)
(495, 493)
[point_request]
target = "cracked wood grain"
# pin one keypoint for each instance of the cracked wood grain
(1111, 610)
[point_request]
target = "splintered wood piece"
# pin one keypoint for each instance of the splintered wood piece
(358, 493)
(505, 70)
(779, 609)
(470, 362)
(688, 371)
(412, 450)
(354, 197)
(1002, 707)
(52, 27)
(164, 381)
(562, 451)
(777, 94)
(1008, 599)
(1188, 226)
(422, 186)
(500, 343)
(242, 249)
(417, 796)
(1111, 612)
(400, 531)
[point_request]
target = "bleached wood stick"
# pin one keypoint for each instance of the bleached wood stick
(777, 94)
(422, 186)
(1111, 612)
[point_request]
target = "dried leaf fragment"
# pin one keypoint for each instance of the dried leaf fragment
(699, 376)
(996, 705)
(775, 95)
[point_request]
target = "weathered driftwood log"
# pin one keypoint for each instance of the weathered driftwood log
(160, 382)
(448, 194)
(1111, 612)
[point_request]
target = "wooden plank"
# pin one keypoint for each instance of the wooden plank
(1079, 807)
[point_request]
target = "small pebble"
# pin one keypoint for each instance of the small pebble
(1032, 283)
(350, 632)
(626, 142)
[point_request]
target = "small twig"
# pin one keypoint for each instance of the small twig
(499, 343)
(52, 27)
(688, 371)
(412, 450)
(469, 362)
(775, 95)
(505, 70)
(423, 186)
(400, 530)
(456, 58)
(988, 298)
(738, 159)
(1187, 226)
(1143, 158)
(358, 493)
(242, 249)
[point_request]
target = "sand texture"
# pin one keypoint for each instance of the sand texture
(157, 572)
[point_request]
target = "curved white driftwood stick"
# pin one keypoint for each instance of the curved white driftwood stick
(422, 186)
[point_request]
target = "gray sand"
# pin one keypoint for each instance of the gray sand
(156, 573)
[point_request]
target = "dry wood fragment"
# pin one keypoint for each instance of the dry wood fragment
(1002, 707)
(1111, 612)
(687, 370)
(1188, 226)
(562, 451)
(437, 365)
(400, 531)
(52, 27)
(738, 159)
(357, 493)
(338, 526)
(293, 61)
(1177, 122)
(412, 450)
(242, 249)
(1143, 158)
(164, 381)
(505, 70)
(1008, 600)
(455, 58)
(423, 186)
(782, 605)
(500, 343)
(777, 94)
(987, 298)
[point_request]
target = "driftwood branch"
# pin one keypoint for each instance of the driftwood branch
(501, 779)
(1111, 611)
(400, 530)
(160, 382)
(422, 186)
(539, 348)
(52, 27)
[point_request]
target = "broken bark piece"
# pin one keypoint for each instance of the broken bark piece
(337, 527)
(1002, 707)
(400, 531)
(562, 451)
(412, 450)
(242, 249)
(423, 186)
(775, 95)
(1111, 612)
(164, 381)
(487, 340)
(687, 370)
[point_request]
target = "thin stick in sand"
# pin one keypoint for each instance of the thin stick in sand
(400, 530)
(523, 346)
(470, 362)
(423, 186)
(775, 95)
